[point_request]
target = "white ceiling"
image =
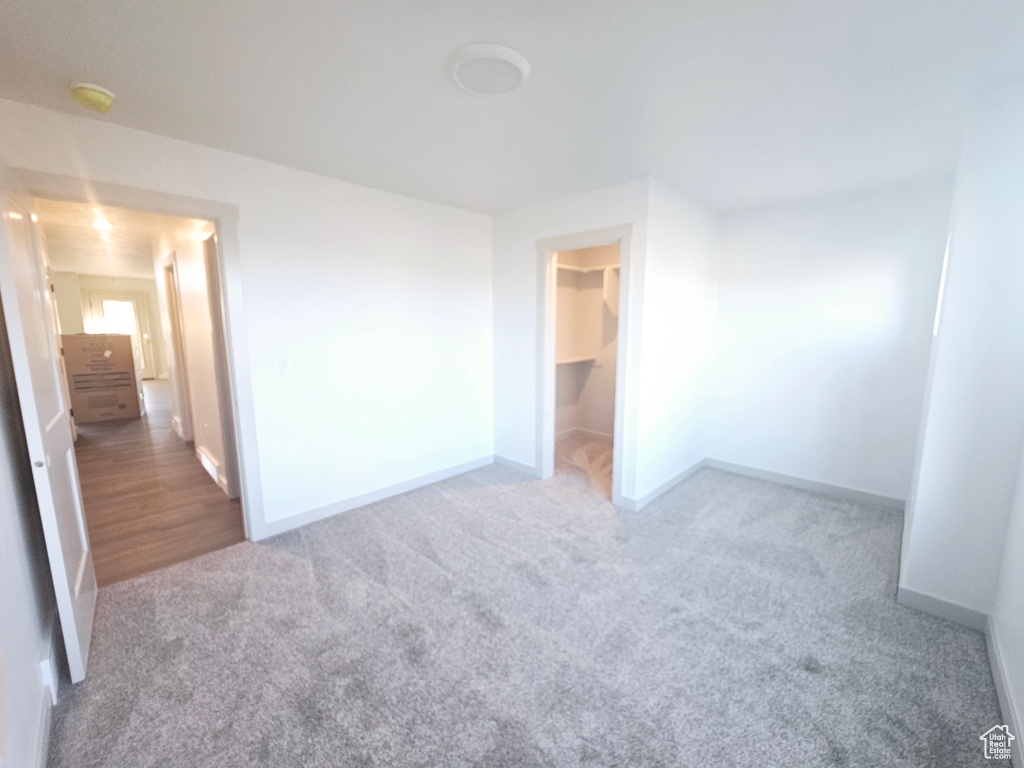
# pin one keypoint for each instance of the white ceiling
(126, 250)
(736, 102)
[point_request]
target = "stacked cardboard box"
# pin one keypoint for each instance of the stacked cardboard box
(102, 378)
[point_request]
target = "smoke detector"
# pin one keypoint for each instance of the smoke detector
(488, 68)
(92, 96)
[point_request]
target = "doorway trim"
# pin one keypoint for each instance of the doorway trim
(225, 219)
(623, 447)
(178, 368)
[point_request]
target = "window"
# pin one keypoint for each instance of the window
(119, 316)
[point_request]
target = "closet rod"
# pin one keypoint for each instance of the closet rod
(573, 268)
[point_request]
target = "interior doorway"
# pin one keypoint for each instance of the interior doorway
(159, 484)
(585, 423)
(586, 346)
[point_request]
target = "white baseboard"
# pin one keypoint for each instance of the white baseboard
(49, 676)
(838, 491)
(211, 465)
(275, 527)
(43, 740)
(213, 468)
(48, 671)
(635, 505)
(525, 468)
(1005, 692)
(936, 606)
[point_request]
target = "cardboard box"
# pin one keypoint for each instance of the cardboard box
(102, 378)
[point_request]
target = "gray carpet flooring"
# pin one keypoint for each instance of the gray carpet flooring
(496, 620)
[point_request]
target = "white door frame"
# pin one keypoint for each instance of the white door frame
(623, 448)
(220, 359)
(225, 219)
(178, 370)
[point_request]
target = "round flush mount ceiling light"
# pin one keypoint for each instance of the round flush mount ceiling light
(92, 96)
(102, 225)
(488, 68)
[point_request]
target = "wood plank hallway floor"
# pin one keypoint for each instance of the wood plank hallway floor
(148, 501)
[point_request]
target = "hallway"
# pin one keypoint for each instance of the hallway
(148, 501)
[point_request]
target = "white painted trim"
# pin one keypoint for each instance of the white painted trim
(48, 663)
(1004, 690)
(580, 430)
(838, 491)
(275, 527)
(48, 676)
(43, 738)
(936, 606)
(635, 505)
(627, 351)
(227, 471)
(213, 469)
(849, 494)
(172, 313)
(546, 365)
(524, 468)
(225, 218)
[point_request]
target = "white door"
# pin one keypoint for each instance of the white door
(47, 417)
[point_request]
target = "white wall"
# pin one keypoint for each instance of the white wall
(381, 305)
(596, 382)
(597, 393)
(963, 541)
(516, 294)
(569, 381)
(67, 294)
(973, 433)
(27, 604)
(585, 391)
(678, 332)
(1006, 623)
(824, 330)
(577, 333)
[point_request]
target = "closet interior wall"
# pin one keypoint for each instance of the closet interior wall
(587, 322)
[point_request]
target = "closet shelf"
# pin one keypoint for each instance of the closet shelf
(576, 360)
(585, 270)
